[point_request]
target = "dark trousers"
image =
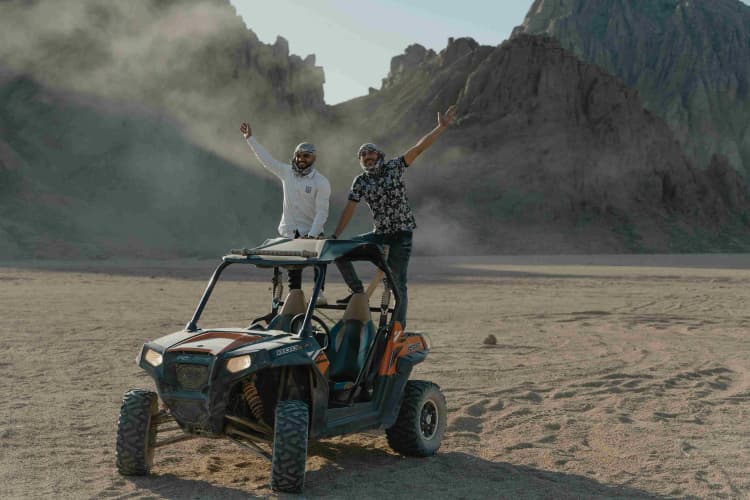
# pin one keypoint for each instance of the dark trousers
(295, 278)
(398, 260)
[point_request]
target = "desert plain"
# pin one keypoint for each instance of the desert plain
(611, 377)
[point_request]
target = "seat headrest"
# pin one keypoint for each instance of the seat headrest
(358, 308)
(294, 303)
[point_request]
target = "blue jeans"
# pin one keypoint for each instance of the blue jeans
(398, 261)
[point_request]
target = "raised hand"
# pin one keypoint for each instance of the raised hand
(445, 119)
(246, 130)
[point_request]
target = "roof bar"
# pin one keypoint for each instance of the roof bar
(279, 253)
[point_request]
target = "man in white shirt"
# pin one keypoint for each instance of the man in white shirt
(306, 194)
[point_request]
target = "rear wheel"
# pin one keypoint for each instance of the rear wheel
(420, 425)
(289, 446)
(136, 432)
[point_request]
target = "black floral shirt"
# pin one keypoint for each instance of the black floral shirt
(385, 194)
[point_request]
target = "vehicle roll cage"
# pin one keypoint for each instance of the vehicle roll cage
(300, 254)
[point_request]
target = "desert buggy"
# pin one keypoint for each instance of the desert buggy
(288, 377)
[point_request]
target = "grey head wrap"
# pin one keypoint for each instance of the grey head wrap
(303, 147)
(369, 147)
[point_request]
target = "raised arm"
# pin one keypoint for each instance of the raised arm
(444, 120)
(269, 162)
(346, 216)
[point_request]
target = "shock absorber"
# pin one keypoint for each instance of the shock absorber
(278, 290)
(254, 402)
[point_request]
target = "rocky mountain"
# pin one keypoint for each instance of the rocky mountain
(687, 58)
(81, 181)
(119, 127)
(193, 59)
(550, 154)
(118, 136)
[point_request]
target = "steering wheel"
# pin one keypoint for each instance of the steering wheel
(320, 330)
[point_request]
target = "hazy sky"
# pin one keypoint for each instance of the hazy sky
(354, 40)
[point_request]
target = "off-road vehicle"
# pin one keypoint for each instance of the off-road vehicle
(291, 376)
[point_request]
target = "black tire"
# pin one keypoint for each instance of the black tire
(420, 425)
(289, 447)
(136, 432)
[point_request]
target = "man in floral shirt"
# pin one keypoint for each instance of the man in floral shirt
(382, 186)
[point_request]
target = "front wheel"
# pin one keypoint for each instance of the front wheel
(136, 432)
(289, 446)
(420, 425)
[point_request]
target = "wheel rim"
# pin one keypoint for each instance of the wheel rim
(428, 420)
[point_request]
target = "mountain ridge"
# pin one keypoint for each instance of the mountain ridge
(549, 155)
(559, 145)
(684, 56)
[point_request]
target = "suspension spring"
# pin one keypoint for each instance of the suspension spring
(254, 402)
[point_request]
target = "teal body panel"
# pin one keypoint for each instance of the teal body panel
(378, 413)
(194, 382)
(202, 408)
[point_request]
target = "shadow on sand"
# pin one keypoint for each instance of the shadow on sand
(356, 471)
(178, 488)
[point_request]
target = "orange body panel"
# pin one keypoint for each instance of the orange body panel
(322, 362)
(399, 345)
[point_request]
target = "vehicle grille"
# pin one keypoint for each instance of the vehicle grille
(191, 377)
(188, 411)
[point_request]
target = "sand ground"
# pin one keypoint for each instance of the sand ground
(611, 377)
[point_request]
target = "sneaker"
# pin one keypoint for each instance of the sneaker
(322, 300)
(345, 300)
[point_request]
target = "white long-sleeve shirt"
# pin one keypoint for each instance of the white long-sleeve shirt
(305, 197)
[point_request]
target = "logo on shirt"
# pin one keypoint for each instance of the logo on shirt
(308, 189)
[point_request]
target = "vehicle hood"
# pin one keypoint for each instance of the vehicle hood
(213, 342)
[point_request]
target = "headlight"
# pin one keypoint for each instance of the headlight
(239, 363)
(153, 358)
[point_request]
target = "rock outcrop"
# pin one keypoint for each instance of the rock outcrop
(550, 154)
(688, 59)
(119, 127)
(78, 181)
(413, 57)
(192, 59)
(118, 136)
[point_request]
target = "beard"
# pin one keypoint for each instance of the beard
(301, 168)
(372, 167)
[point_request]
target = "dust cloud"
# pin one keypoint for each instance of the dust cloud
(147, 98)
(194, 60)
